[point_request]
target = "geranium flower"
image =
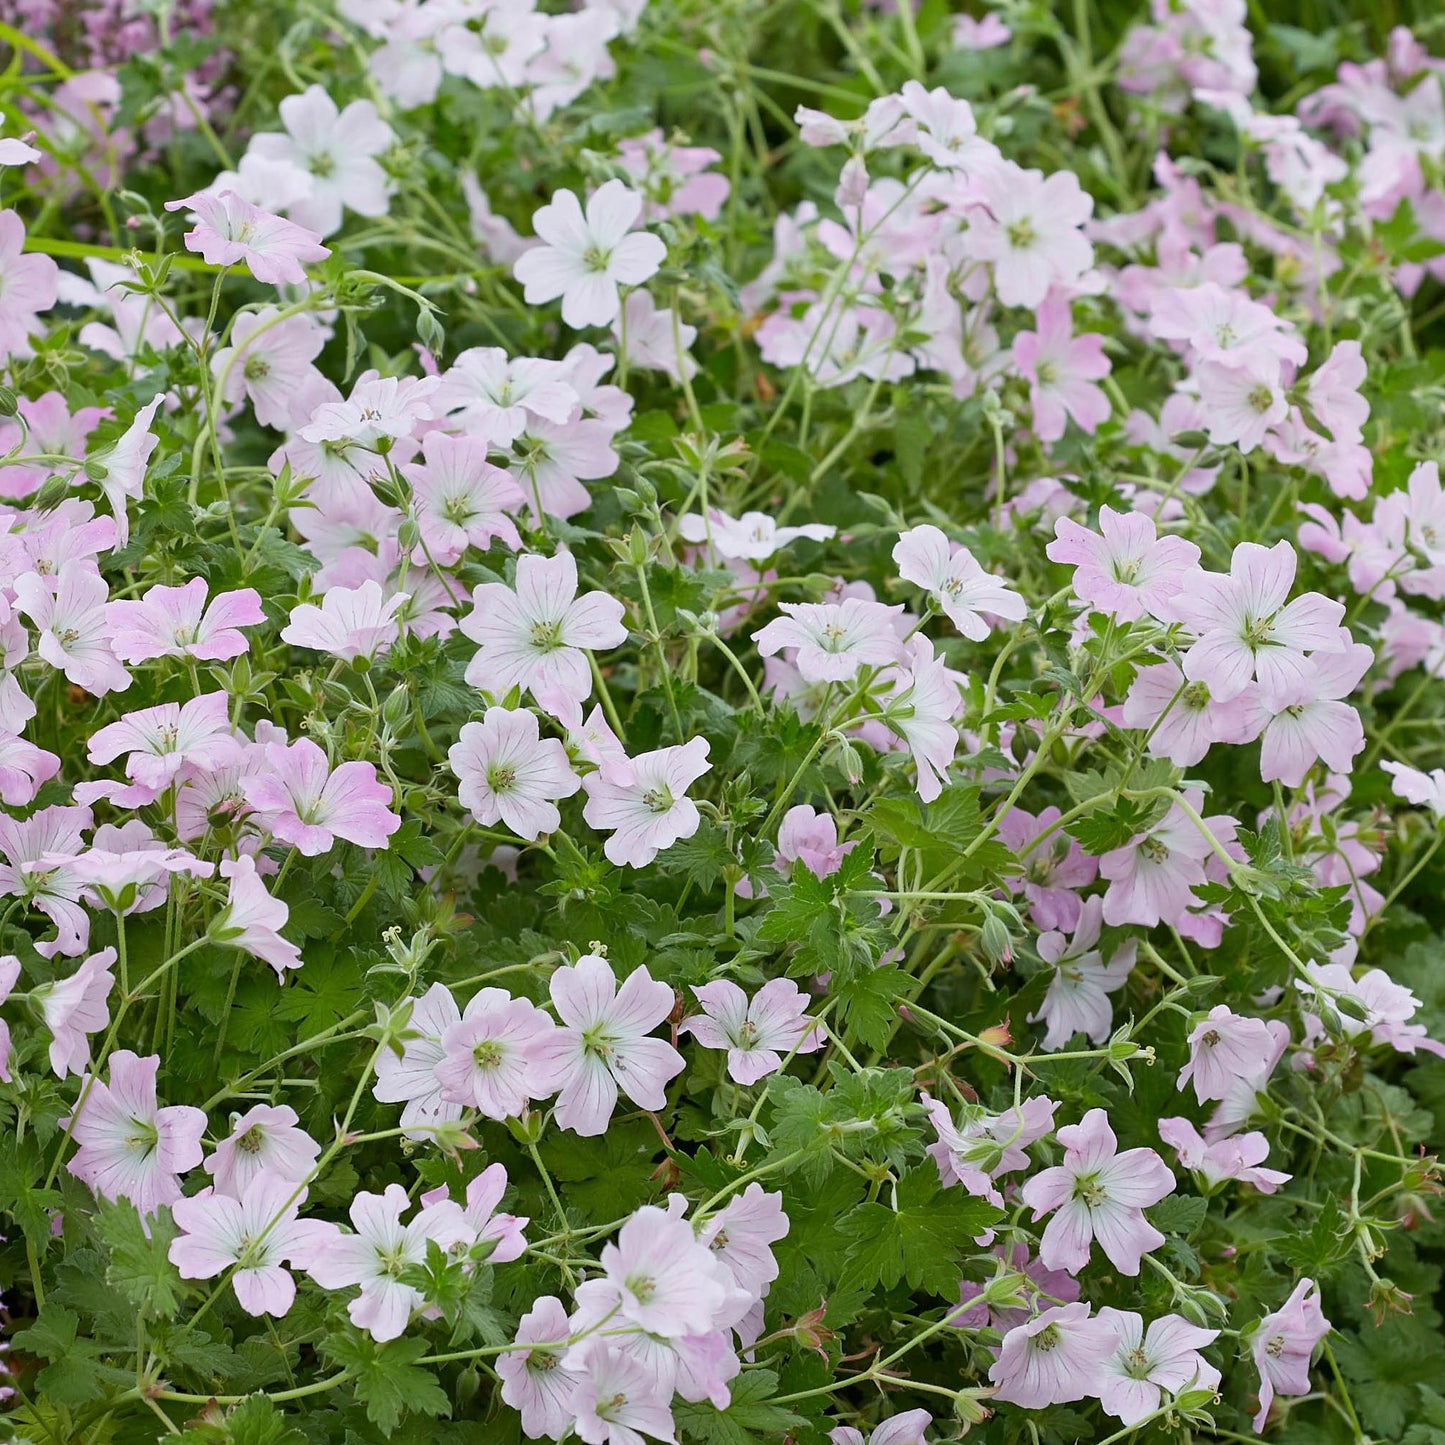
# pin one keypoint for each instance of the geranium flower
(74, 1008)
(1057, 1357)
(603, 1043)
(1125, 569)
(492, 1057)
(29, 286)
(375, 1255)
(532, 635)
(1145, 1367)
(509, 773)
(351, 622)
(1098, 1194)
(175, 622)
(265, 1139)
(1283, 1343)
(128, 1146)
(252, 919)
(588, 256)
(646, 808)
(756, 1032)
(460, 500)
(258, 1232)
(538, 1381)
(230, 231)
(953, 578)
(303, 801)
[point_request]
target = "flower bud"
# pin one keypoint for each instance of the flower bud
(9, 403)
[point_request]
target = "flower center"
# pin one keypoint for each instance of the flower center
(1196, 696)
(251, 1141)
(546, 636)
(487, 1054)
(501, 777)
(595, 258)
(1261, 398)
(1021, 234)
(1047, 1338)
(1154, 850)
(658, 799)
(1088, 1189)
(257, 368)
(143, 1138)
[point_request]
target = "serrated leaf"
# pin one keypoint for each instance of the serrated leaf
(749, 1417)
(923, 1240)
(386, 1378)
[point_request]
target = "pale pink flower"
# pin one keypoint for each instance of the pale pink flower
(756, 1032)
(1333, 393)
(76, 1007)
(603, 1043)
(1246, 626)
(484, 1193)
(647, 809)
(1283, 1344)
(987, 33)
(231, 231)
(809, 837)
(460, 499)
(495, 396)
(532, 635)
(28, 287)
(953, 578)
(1061, 370)
(979, 1148)
(379, 412)
(1183, 718)
(301, 800)
(741, 1237)
(1077, 1001)
(1223, 1047)
(676, 179)
(551, 461)
(335, 151)
(1241, 402)
(9, 977)
(1145, 1367)
(375, 1255)
(1421, 789)
(410, 1077)
(23, 769)
(1054, 869)
(1226, 326)
(269, 370)
(128, 1146)
(1151, 876)
(265, 1139)
(1304, 718)
(1056, 1357)
(922, 709)
(175, 622)
(908, 1428)
(615, 1400)
(491, 1059)
(538, 1380)
(1029, 230)
(1098, 1194)
(351, 622)
(595, 741)
(161, 740)
(252, 919)
(1125, 569)
(68, 611)
(1239, 1157)
(753, 537)
(588, 256)
(655, 338)
(256, 1231)
(1387, 1006)
(122, 466)
(668, 1282)
(946, 130)
(38, 851)
(509, 773)
(833, 639)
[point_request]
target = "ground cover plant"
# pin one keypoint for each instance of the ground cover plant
(721, 721)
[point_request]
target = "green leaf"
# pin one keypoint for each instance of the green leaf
(71, 1378)
(1320, 1248)
(1179, 1214)
(923, 1240)
(869, 1003)
(386, 1378)
(749, 1417)
(257, 1421)
(139, 1265)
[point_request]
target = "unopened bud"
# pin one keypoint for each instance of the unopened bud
(96, 471)
(526, 1127)
(397, 707)
(9, 403)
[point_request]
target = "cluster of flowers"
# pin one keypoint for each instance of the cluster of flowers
(448, 511)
